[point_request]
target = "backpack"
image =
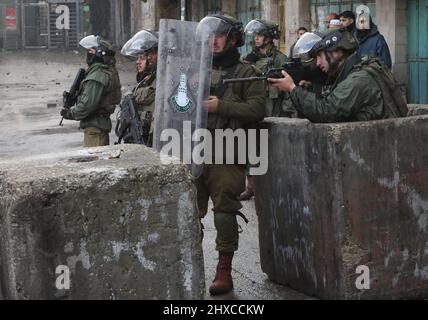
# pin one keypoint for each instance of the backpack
(394, 99)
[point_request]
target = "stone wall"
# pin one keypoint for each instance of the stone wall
(125, 225)
(340, 196)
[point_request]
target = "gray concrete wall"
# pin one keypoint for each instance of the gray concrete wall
(418, 109)
(147, 16)
(343, 195)
(124, 224)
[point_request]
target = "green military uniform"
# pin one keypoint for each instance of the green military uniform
(145, 96)
(100, 93)
(355, 96)
(240, 106)
(273, 59)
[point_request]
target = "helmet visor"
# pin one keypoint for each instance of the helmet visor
(254, 27)
(210, 26)
(305, 44)
(89, 42)
(139, 44)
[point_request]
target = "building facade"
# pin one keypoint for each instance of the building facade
(31, 24)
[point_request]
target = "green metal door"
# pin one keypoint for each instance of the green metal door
(418, 51)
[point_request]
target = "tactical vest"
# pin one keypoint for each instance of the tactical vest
(145, 98)
(109, 77)
(273, 59)
(232, 92)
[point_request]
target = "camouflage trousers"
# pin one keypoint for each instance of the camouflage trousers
(223, 184)
(94, 137)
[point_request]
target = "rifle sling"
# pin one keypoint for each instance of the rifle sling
(220, 90)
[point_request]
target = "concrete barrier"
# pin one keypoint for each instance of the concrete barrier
(340, 197)
(418, 110)
(124, 225)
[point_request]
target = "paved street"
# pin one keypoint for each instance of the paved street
(249, 280)
(31, 80)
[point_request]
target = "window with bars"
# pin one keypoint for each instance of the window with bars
(322, 8)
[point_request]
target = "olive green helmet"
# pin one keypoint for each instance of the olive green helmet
(337, 39)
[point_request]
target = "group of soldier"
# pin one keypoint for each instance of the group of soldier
(350, 92)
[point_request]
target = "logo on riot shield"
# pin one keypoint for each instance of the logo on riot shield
(182, 100)
(183, 83)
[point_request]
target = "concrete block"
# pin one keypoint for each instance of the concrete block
(418, 109)
(340, 196)
(125, 226)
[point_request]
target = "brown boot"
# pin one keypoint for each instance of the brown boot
(249, 192)
(223, 279)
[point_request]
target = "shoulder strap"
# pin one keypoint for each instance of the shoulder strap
(222, 87)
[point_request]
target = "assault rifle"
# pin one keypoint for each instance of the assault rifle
(129, 127)
(297, 69)
(69, 98)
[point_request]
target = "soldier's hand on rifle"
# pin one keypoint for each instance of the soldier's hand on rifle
(305, 84)
(285, 84)
(211, 105)
(66, 114)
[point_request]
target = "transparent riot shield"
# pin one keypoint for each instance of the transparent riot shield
(182, 84)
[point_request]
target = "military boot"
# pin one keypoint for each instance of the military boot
(249, 192)
(223, 278)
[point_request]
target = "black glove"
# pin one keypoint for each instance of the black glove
(66, 114)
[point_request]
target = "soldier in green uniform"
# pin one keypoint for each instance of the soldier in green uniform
(265, 56)
(230, 107)
(144, 47)
(362, 89)
(100, 92)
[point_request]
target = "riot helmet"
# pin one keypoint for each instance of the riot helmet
(102, 47)
(337, 39)
(305, 44)
(140, 43)
(221, 24)
(262, 27)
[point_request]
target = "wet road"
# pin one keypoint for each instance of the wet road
(31, 80)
